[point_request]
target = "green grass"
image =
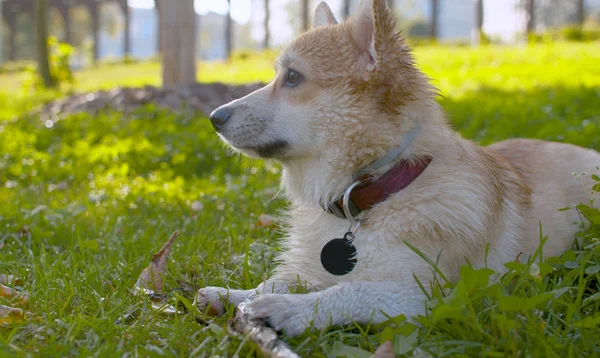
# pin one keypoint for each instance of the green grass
(86, 202)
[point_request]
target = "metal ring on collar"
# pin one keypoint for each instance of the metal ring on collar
(346, 200)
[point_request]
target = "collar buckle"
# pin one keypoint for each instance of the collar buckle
(345, 208)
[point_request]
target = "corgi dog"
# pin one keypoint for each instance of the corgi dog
(371, 167)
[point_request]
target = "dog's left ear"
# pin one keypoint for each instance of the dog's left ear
(374, 33)
(324, 16)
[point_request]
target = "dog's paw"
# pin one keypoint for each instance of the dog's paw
(212, 300)
(292, 314)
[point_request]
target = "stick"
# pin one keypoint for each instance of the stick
(265, 337)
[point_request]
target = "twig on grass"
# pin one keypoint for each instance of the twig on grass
(265, 337)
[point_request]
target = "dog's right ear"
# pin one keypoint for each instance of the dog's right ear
(374, 33)
(324, 16)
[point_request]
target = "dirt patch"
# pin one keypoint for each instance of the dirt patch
(197, 97)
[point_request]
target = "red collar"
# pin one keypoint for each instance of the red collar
(369, 191)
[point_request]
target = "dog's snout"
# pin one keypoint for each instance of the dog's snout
(219, 117)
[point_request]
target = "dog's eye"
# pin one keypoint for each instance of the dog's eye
(292, 78)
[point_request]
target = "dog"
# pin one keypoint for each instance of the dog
(371, 167)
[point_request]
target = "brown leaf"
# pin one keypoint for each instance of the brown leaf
(150, 282)
(8, 292)
(9, 280)
(386, 350)
(9, 315)
(151, 276)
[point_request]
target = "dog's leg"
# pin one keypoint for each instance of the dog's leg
(215, 298)
(360, 302)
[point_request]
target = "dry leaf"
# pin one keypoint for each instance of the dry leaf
(150, 282)
(9, 315)
(265, 220)
(9, 280)
(386, 350)
(151, 276)
(8, 292)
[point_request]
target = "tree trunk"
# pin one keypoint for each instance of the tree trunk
(580, 12)
(477, 22)
(159, 41)
(346, 8)
(530, 16)
(11, 21)
(305, 21)
(1, 37)
(126, 34)
(41, 14)
(95, 16)
(434, 20)
(267, 40)
(178, 33)
(66, 15)
(228, 31)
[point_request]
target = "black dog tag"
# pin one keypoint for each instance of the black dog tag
(338, 256)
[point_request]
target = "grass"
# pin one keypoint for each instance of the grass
(86, 202)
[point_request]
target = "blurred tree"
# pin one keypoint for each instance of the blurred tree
(530, 15)
(544, 14)
(477, 22)
(228, 31)
(80, 20)
(305, 18)
(94, 9)
(60, 23)
(111, 19)
(11, 23)
(159, 45)
(41, 12)
(178, 33)
(433, 29)
(346, 8)
(267, 40)
(124, 5)
(1, 34)
(418, 28)
(580, 12)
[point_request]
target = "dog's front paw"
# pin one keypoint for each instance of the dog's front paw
(212, 300)
(292, 314)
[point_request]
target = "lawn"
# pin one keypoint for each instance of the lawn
(86, 202)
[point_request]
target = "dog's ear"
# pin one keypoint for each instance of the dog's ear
(323, 16)
(374, 32)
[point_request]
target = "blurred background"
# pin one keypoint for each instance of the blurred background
(108, 30)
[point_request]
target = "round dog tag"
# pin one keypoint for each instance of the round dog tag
(338, 256)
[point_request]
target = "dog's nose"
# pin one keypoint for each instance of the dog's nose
(219, 117)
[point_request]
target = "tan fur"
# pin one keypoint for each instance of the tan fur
(360, 97)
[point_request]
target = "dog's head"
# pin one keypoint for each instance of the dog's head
(343, 94)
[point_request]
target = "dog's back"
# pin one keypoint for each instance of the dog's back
(559, 176)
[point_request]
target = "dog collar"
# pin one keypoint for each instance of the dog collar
(367, 191)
